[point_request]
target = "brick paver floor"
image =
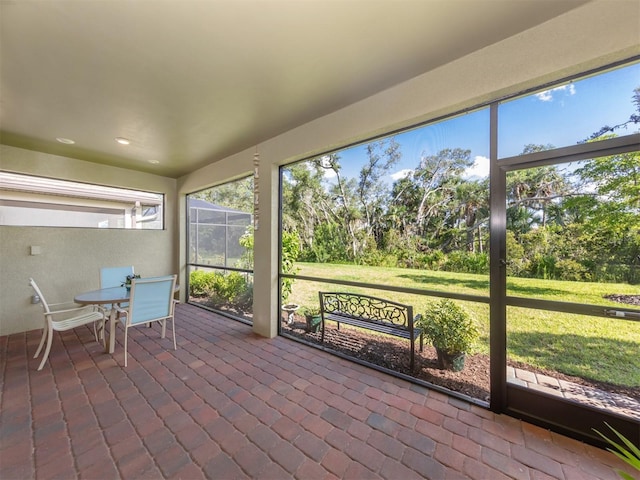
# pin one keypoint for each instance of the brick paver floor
(230, 404)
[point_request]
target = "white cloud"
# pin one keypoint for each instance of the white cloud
(329, 174)
(547, 95)
(479, 169)
(401, 174)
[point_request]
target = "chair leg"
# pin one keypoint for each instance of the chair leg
(48, 349)
(44, 337)
(164, 328)
(97, 331)
(98, 328)
(104, 333)
(173, 330)
(126, 331)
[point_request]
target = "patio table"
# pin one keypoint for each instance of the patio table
(106, 296)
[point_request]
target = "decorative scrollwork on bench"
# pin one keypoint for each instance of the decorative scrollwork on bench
(371, 308)
(372, 313)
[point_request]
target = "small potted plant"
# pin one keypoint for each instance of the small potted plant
(127, 282)
(313, 318)
(451, 330)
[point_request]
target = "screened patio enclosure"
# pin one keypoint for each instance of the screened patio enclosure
(215, 233)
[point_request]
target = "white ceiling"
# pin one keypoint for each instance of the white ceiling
(190, 82)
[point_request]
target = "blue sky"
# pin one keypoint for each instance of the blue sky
(561, 116)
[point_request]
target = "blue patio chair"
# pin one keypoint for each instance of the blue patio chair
(65, 319)
(151, 300)
(114, 277)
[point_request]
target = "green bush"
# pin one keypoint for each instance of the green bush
(243, 301)
(466, 262)
(310, 311)
(516, 255)
(290, 253)
(231, 289)
(230, 286)
(572, 271)
(542, 266)
(201, 283)
(247, 241)
(433, 260)
(449, 326)
(378, 258)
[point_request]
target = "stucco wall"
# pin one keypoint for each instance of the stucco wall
(71, 257)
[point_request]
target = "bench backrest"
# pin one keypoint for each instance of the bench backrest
(365, 307)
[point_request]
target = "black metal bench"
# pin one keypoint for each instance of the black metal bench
(371, 313)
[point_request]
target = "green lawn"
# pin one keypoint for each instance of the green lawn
(604, 349)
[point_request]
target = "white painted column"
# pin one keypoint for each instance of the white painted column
(265, 281)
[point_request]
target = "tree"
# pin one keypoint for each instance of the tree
(612, 220)
(472, 198)
(537, 189)
(634, 119)
(237, 195)
(304, 200)
(436, 178)
(403, 207)
(372, 191)
(344, 198)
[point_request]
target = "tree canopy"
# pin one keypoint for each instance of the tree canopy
(573, 221)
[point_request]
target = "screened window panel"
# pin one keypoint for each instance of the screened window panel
(570, 113)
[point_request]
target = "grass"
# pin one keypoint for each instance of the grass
(595, 348)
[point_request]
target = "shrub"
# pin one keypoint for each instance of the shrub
(230, 286)
(231, 289)
(308, 312)
(433, 260)
(244, 300)
(466, 262)
(542, 266)
(572, 270)
(201, 283)
(290, 253)
(449, 326)
(378, 258)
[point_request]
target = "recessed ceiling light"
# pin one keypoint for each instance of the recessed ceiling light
(153, 161)
(123, 141)
(66, 141)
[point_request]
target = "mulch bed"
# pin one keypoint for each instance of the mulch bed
(393, 354)
(628, 299)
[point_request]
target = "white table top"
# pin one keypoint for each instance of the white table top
(103, 295)
(106, 295)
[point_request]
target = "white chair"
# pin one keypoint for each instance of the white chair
(151, 300)
(67, 319)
